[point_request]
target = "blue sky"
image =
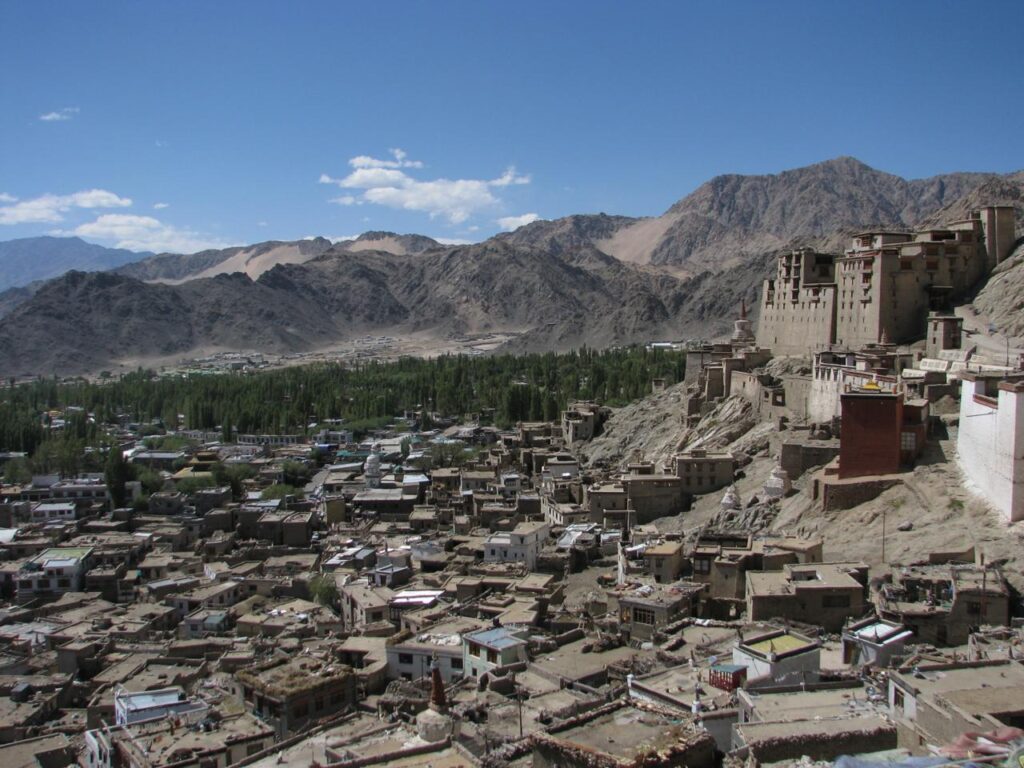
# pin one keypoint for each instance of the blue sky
(180, 125)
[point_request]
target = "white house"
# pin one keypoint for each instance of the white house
(520, 545)
(990, 441)
(782, 656)
(53, 572)
(47, 511)
(412, 656)
(134, 707)
(487, 649)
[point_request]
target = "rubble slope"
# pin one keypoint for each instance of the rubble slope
(654, 428)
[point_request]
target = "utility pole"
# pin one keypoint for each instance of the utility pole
(883, 536)
(519, 702)
(519, 699)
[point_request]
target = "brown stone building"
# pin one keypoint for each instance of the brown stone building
(289, 694)
(882, 287)
(825, 594)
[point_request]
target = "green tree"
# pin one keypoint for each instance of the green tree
(190, 485)
(17, 471)
(117, 472)
(278, 491)
(295, 473)
(323, 590)
(151, 481)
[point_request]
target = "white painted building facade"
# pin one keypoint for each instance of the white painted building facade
(520, 545)
(990, 441)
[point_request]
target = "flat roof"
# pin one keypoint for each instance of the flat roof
(751, 733)
(497, 638)
(150, 699)
(628, 731)
(779, 644)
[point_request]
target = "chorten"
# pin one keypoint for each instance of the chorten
(742, 333)
(731, 500)
(371, 470)
(778, 484)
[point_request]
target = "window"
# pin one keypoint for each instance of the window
(492, 656)
(643, 616)
(835, 601)
(405, 658)
(702, 565)
(456, 663)
(974, 609)
(908, 441)
(64, 583)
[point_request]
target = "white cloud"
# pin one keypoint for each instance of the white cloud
(144, 233)
(399, 155)
(5, 198)
(382, 182)
(454, 241)
(50, 208)
(160, 206)
(261, 223)
(60, 115)
(345, 200)
(508, 223)
(510, 177)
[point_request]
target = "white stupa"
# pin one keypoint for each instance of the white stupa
(731, 500)
(778, 484)
(371, 470)
(743, 334)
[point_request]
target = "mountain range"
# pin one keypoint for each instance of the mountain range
(30, 259)
(595, 279)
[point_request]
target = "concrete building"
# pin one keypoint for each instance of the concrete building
(624, 734)
(287, 695)
(646, 609)
(665, 561)
(883, 286)
(936, 703)
(133, 707)
(721, 559)
(650, 496)
(520, 545)
(487, 649)
(410, 655)
(704, 471)
(943, 604)
(798, 305)
(826, 594)
(779, 656)
(945, 332)
(874, 642)
(582, 421)
(990, 442)
(362, 605)
(881, 432)
(53, 572)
